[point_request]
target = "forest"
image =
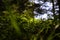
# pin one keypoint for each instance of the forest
(29, 19)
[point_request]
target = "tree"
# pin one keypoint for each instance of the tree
(17, 22)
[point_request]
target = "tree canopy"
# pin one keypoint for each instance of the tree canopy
(18, 22)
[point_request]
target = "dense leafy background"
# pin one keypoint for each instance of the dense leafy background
(17, 22)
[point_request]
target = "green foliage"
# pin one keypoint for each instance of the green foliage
(17, 23)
